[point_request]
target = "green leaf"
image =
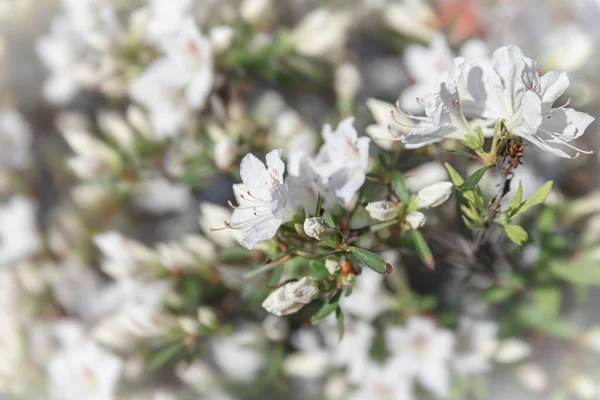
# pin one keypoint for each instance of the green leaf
(319, 205)
(371, 260)
(423, 248)
(547, 299)
(455, 176)
(516, 234)
(318, 269)
(537, 198)
(534, 317)
(328, 220)
(579, 273)
(400, 187)
(474, 179)
(276, 276)
(330, 306)
(516, 201)
(339, 322)
(164, 355)
(383, 225)
(497, 294)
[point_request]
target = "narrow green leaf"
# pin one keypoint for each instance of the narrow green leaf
(516, 234)
(383, 225)
(277, 272)
(455, 176)
(319, 205)
(497, 294)
(423, 248)
(371, 260)
(330, 306)
(328, 220)
(516, 201)
(468, 223)
(474, 179)
(537, 198)
(400, 187)
(164, 355)
(339, 322)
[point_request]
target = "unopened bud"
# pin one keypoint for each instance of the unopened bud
(382, 210)
(315, 227)
(434, 195)
(416, 219)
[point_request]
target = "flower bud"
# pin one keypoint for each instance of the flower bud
(332, 265)
(332, 28)
(416, 219)
(435, 194)
(221, 37)
(225, 153)
(347, 81)
(255, 11)
(315, 227)
(382, 210)
(291, 297)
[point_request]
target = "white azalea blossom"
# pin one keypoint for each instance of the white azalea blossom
(15, 139)
(342, 160)
(262, 198)
(333, 32)
(473, 339)
(305, 184)
(291, 297)
(422, 352)
(19, 237)
(381, 131)
(435, 195)
(239, 356)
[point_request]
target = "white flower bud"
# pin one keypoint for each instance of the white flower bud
(347, 80)
(507, 351)
(207, 317)
(225, 153)
(584, 387)
(533, 377)
(291, 297)
(382, 210)
(255, 11)
(314, 227)
(416, 219)
(332, 265)
(189, 325)
(221, 37)
(275, 328)
(435, 194)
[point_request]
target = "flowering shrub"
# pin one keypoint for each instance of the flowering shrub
(173, 226)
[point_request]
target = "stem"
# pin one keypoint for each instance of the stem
(494, 208)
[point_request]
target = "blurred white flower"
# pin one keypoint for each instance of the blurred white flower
(213, 215)
(473, 339)
(92, 156)
(114, 126)
(291, 133)
(308, 365)
(422, 352)
(346, 81)
(15, 139)
(533, 377)
(240, 355)
(382, 381)
(221, 37)
(508, 350)
(159, 196)
(353, 350)
(255, 11)
(19, 237)
(424, 175)
(584, 386)
(291, 297)
(225, 153)
(416, 219)
(435, 195)
(382, 210)
(166, 18)
(74, 286)
(322, 34)
(411, 17)
(86, 371)
(568, 48)
(262, 198)
(124, 257)
(342, 160)
(368, 299)
(276, 328)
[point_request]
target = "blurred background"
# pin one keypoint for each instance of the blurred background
(114, 166)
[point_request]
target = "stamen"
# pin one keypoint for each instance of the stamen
(556, 137)
(410, 116)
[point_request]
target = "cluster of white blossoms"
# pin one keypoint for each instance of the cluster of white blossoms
(337, 270)
(506, 88)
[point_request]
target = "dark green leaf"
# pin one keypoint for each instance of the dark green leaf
(371, 260)
(339, 322)
(423, 248)
(327, 308)
(164, 355)
(474, 179)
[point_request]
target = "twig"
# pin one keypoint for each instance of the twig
(494, 208)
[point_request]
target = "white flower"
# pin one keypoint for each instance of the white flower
(113, 125)
(381, 132)
(84, 372)
(509, 87)
(158, 196)
(424, 175)
(212, 215)
(346, 81)
(435, 194)
(342, 160)
(422, 352)
(382, 210)
(425, 65)
(353, 350)
(240, 355)
(166, 18)
(411, 17)
(225, 153)
(19, 237)
(221, 37)
(291, 297)
(508, 350)
(74, 286)
(382, 381)
(584, 386)
(416, 219)
(314, 227)
(254, 11)
(124, 257)
(15, 139)
(322, 34)
(308, 365)
(474, 337)
(305, 185)
(568, 48)
(262, 198)
(533, 377)
(368, 299)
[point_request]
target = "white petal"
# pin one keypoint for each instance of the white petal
(553, 85)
